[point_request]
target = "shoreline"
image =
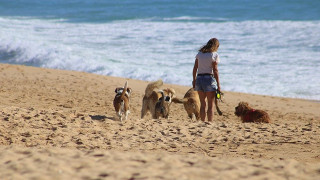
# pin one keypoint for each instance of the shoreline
(305, 99)
(60, 124)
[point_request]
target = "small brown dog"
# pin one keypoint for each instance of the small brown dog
(162, 108)
(249, 114)
(151, 98)
(121, 101)
(191, 103)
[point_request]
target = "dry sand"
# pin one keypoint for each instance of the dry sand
(58, 124)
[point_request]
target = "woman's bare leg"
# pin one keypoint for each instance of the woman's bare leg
(210, 97)
(202, 96)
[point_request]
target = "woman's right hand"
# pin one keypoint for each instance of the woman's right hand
(193, 83)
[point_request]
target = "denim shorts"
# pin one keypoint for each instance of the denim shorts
(206, 83)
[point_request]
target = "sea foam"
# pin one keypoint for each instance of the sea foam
(279, 58)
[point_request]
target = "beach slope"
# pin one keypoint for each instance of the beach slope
(57, 124)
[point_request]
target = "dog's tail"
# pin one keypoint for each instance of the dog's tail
(162, 98)
(124, 90)
(162, 104)
(153, 85)
(179, 101)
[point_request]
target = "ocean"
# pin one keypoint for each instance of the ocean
(267, 47)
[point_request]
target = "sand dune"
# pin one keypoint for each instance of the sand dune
(58, 124)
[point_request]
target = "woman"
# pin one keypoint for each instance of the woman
(206, 76)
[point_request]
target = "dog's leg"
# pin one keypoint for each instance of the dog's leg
(193, 116)
(167, 116)
(262, 120)
(119, 115)
(144, 109)
(153, 111)
(121, 110)
(155, 115)
(126, 114)
(197, 114)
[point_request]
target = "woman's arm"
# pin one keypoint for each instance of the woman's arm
(216, 73)
(194, 73)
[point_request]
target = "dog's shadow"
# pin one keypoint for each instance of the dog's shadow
(101, 117)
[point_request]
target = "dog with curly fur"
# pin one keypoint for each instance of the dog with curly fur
(153, 96)
(248, 114)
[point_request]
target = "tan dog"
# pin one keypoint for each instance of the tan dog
(249, 114)
(121, 101)
(191, 102)
(152, 97)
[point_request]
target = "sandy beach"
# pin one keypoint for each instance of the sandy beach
(57, 124)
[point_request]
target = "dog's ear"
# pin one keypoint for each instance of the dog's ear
(171, 92)
(118, 89)
(129, 90)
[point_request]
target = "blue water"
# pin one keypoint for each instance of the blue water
(269, 47)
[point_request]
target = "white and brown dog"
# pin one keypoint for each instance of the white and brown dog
(121, 101)
(157, 101)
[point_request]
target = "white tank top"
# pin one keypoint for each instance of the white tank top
(205, 62)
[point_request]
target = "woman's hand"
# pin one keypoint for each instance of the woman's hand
(193, 83)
